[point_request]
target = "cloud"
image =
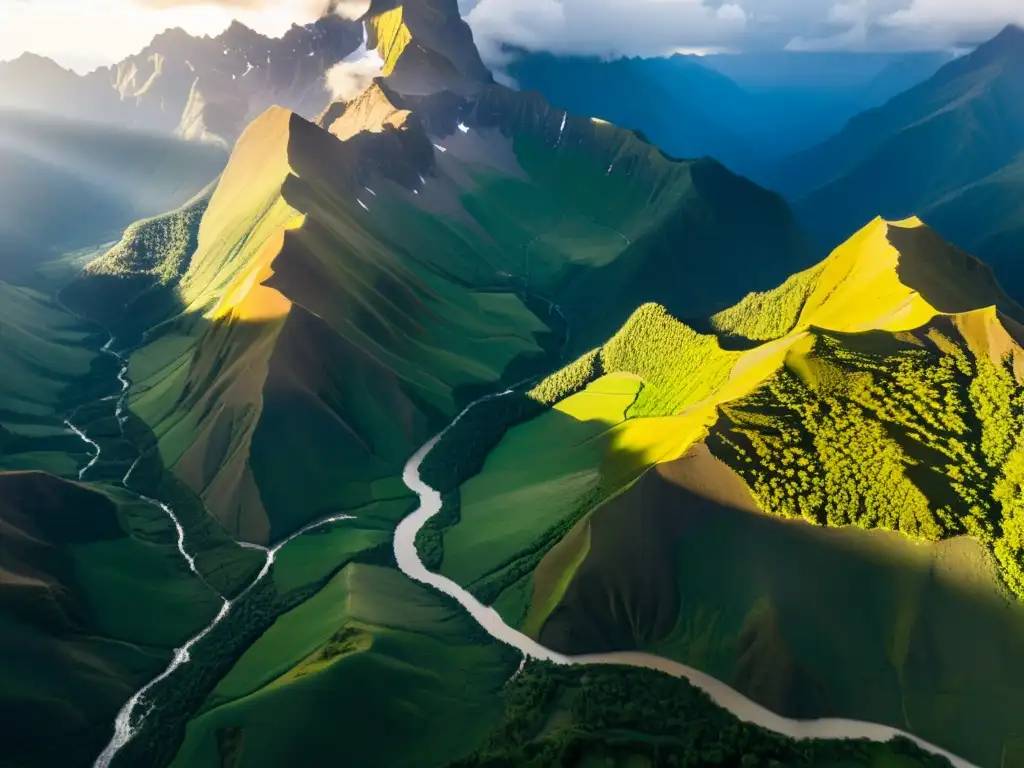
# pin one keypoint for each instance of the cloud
(850, 18)
(595, 27)
(603, 27)
(940, 22)
(656, 27)
(301, 8)
(350, 9)
(349, 78)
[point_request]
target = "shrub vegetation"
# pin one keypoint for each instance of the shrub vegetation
(611, 715)
(924, 439)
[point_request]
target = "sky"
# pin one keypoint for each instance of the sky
(83, 34)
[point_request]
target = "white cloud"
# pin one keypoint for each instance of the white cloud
(731, 12)
(940, 22)
(851, 17)
(604, 27)
(350, 9)
(349, 78)
(94, 31)
(653, 27)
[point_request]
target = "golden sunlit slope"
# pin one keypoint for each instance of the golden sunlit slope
(888, 276)
(355, 281)
(309, 338)
(882, 389)
(897, 276)
(425, 46)
(878, 325)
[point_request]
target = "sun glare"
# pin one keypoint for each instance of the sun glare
(83, 36)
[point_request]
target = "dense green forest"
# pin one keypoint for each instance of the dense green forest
(917, 435)
(138, 277)
(619, 716)
(771, 314)
(678, 365)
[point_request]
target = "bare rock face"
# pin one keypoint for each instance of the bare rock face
(426, 46)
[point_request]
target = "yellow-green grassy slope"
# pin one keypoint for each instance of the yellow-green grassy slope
(314, 350)
(348, 295)
(885, 392)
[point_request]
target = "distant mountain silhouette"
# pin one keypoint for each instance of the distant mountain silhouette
(732, 107)
(196, 87)
(948, 150)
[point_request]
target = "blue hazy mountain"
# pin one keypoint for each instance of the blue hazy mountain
(948, 150)
(745, 110)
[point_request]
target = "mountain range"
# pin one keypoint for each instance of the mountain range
(769, 116)
(885, 160)
(440, 425)
(206, 88)
(69, 185)
(748, 111)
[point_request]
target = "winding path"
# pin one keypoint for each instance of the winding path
(489, 619)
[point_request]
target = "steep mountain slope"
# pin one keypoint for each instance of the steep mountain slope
(68, 185)
(882, 390)
(315, 333)
(681, 106)
(93, 601)
(988, 216)
(194, 87)
(944, 150)
(687, 106)
(344, 290)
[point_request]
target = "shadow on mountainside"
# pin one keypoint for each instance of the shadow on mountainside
(93, 402)
(926, 259)
(808, 621)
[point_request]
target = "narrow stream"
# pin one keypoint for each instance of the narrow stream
(138, 707)
(489, 619)
(135, 711)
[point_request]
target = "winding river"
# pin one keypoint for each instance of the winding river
(139, 706)
(489, 619)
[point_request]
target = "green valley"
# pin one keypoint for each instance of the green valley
(690, 452)
(451, 429)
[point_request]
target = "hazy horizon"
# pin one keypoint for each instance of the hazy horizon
(116, 29)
